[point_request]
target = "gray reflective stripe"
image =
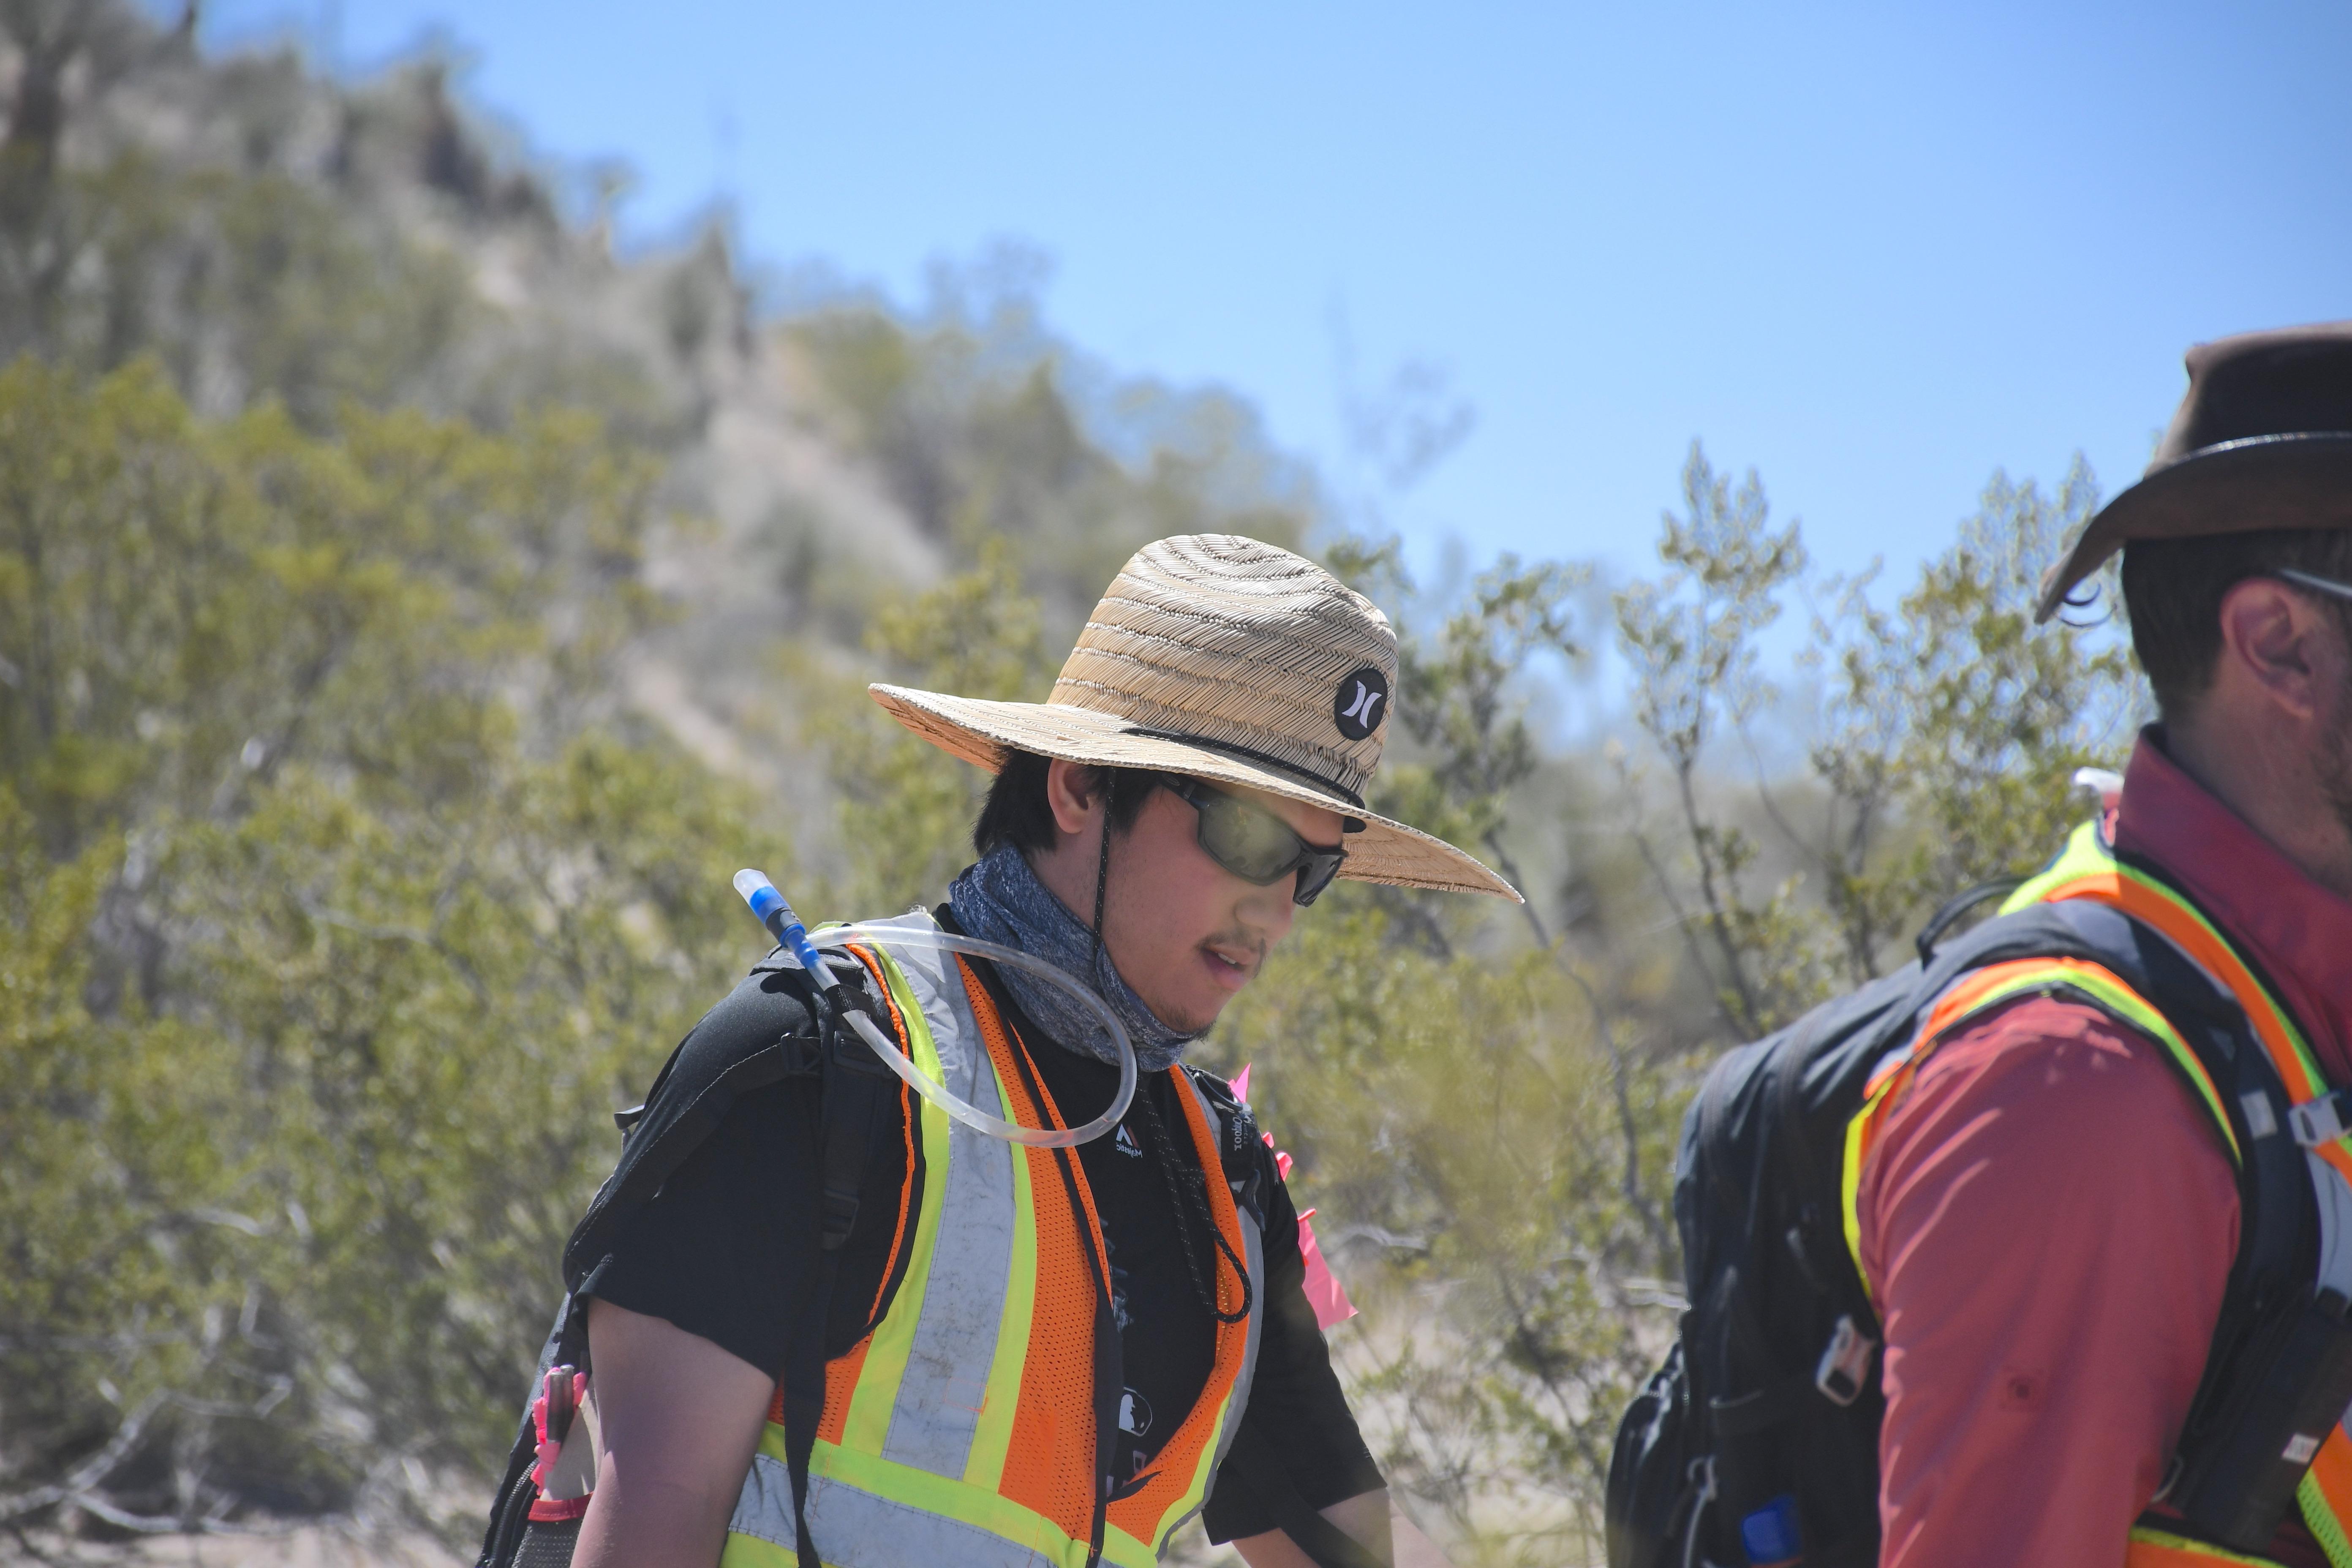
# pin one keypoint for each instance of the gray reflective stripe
(955, 1346)
(1254, 1256)
(852, 1528)
(2335, 1201)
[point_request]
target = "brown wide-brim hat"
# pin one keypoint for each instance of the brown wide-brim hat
(1230, 660)
(2263, 441)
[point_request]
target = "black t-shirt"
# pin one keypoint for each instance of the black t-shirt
(718, 1250)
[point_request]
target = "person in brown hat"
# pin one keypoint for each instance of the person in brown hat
(2091, 1267)
(830, 1323)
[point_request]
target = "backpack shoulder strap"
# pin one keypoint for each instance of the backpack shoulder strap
(764, 1031)
(1239, 1150)
(770, 1027)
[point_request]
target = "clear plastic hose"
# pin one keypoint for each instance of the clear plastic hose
(887, 936)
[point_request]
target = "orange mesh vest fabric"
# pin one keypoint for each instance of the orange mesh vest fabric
(1050, 1467)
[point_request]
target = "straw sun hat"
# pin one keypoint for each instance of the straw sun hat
(1230, 660)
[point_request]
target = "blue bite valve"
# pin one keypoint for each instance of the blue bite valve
(783, 924)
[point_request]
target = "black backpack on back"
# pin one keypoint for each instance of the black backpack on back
(1757, 1441)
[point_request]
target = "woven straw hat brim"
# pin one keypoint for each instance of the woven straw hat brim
(981, 732)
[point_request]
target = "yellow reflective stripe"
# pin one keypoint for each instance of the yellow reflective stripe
(2084, 853)
(976, 1506)
(2261, 997)
(2087, 855)
(2326, 1493)
(991, 1438)
(2102, 986)
(2320, 1520)
(868, 1423)
(1125, 1550)
(1850, 1183)
(751, 1552)
(1204, 1469)
(2105, 987)
(2169, 1545)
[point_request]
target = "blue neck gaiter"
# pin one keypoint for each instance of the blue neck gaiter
(999, 898)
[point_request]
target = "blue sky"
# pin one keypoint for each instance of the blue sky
(1874, 251)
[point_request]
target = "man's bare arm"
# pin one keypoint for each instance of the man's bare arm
(679, 1420)
(1371, 1518)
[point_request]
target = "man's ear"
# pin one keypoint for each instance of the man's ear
(2282, 644)
(1073, 793)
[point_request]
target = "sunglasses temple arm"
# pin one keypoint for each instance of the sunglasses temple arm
(2328, 585)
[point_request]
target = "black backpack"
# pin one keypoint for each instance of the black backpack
(1757, 1441)
(773, 1025)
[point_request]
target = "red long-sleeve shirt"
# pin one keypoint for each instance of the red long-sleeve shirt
(2049, 1219)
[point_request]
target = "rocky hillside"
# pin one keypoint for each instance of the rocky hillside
(270, 233)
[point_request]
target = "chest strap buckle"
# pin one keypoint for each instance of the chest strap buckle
(2321, 1120)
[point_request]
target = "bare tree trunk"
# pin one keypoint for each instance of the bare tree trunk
(1751, 1021)
(1619, 1072)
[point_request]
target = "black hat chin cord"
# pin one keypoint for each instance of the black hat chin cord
(1102, 880)
(1179, 1190)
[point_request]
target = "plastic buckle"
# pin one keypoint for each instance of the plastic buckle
(1845, 1369)
(840, 1217)
(849, 1051)
(2318, 1121)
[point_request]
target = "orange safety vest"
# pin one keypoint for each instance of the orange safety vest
(2088, 869)
(961, 1429)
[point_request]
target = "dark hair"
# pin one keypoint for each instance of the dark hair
(1016, 812)
(2173, 590)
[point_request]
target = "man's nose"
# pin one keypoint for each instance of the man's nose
(1268, 911)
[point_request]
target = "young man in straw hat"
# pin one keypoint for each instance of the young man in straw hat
(1027, 1354)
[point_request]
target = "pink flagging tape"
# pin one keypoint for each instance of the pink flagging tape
(1324, 1291)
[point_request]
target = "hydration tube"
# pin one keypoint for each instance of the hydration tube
(786, 926)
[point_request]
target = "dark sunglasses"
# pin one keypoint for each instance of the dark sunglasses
(1253, 843)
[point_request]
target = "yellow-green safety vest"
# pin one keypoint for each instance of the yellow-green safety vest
(2088, 869)
(961, 1429)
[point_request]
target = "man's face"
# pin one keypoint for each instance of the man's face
(1186, 933)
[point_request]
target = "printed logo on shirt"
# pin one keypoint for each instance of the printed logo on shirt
(1126, 1144)
(1134, 1414)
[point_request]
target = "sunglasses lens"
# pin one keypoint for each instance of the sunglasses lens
(1253, 844)
(1258, 847)
(1315, 875)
